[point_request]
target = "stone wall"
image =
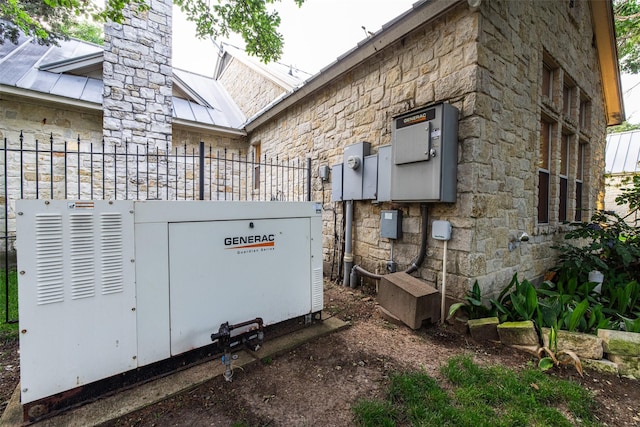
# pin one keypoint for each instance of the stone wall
(137, 77)
(249, 89)
(488, 64)
(39, 120)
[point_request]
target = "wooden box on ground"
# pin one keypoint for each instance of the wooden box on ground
(409, 299)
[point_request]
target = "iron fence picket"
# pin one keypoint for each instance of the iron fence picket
(232, 175)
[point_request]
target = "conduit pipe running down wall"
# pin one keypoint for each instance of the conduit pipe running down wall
(352, 279)
(348, 231)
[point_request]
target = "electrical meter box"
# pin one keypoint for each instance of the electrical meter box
(353, 175)
(425, 155)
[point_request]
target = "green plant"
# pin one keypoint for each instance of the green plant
(568, 306)
(631, 325)
(608, 243)
(518, 301)
(473, 395)
(473, 306)
(557, 358)
(11, 303)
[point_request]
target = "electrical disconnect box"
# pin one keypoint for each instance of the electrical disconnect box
(391, 224)
(425, 155)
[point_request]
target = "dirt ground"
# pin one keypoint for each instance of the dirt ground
(317, 383)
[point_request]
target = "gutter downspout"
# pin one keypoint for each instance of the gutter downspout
(348, 255)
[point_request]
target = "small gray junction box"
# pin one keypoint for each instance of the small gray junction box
(391, 224)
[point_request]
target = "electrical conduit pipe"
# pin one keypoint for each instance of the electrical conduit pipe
(357, 270)
(348, 231)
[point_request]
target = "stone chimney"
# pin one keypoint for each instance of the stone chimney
(137, 77)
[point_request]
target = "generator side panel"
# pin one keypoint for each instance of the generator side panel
(76, 293)
(237, 270)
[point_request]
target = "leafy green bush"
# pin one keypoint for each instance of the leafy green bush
(608, 243)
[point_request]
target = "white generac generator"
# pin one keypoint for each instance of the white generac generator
(106, 287)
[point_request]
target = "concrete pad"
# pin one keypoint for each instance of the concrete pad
(139, 397)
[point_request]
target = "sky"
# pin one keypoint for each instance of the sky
(314, 34)
(320, 31)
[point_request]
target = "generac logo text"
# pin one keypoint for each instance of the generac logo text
(255, 241)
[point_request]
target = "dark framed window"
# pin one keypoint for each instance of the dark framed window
(547, 81)
(564, 178)
(585, 115)
(567, 100)
(544, 171)
(580, 165)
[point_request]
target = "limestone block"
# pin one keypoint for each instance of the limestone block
(603, 365)
(484, 329)
(518, 333)
(620, 342)
(584, 345)
(627, 365)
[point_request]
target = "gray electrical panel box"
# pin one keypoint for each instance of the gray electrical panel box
(353, 170)
(391, 224)
(336, 183)
(370, 177)
(425, 155)
(385, 162)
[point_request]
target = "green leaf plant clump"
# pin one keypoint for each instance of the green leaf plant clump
(473, 307)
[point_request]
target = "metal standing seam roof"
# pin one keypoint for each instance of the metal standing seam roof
(25, 65)
(623, 152)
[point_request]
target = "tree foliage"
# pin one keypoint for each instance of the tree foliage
(627, 22)
(49, 21)
(623, 127)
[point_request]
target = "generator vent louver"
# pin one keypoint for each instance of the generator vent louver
(111, 252)
(82, 254)
(317, 290)
(50, 266)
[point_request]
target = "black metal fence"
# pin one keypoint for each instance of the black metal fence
(87, 171)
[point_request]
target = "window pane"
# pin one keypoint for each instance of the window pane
(578, 201)
(580, 163)
(584, 115)
(562, 212)
(543, 197)
(567, 100)
(547, 81)
(564, 155)
(545, 133)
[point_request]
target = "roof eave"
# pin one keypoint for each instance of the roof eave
(47, 97)
(220, 130)
(604, 31)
